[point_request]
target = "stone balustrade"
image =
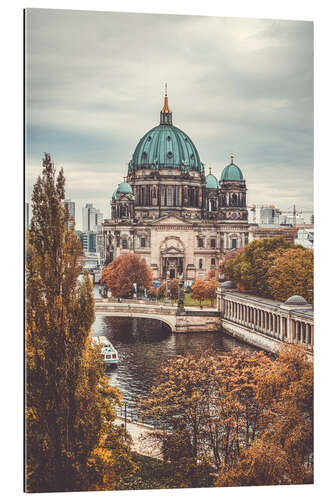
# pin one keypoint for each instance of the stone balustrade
(288, 321)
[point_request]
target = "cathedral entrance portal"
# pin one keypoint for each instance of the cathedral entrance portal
(172, 257)
(172, 267)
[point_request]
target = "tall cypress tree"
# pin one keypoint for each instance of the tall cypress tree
(71, 442)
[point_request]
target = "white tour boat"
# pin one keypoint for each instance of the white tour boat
(110, 354)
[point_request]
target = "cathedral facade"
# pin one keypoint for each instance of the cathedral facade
(169, 212)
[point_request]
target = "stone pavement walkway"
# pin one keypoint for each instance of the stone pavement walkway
(138, 432)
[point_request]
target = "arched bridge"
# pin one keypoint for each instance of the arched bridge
(193, 319)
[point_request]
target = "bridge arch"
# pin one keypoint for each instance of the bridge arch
(168, 320)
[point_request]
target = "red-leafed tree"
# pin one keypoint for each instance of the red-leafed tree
(199, 290)
(211, 274)
(121, 274)
(211, 287)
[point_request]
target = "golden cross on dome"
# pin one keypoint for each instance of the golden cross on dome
(232, 156)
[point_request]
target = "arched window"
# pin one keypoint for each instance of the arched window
(200, 263)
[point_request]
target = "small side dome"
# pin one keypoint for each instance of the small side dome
(296, 300)
(124, 188)
(228, 284)
(231, 172)
(211, 182)
(114, 195)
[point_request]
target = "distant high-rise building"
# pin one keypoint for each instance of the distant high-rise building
(93, 243)
(91, 218)
(71, 210)
(26, 215)
(88, 240)
(269, 215)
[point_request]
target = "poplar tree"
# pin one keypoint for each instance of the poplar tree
(71, 441)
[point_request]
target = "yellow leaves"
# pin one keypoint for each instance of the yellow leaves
(291, 273)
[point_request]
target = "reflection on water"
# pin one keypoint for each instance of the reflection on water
(145, 344)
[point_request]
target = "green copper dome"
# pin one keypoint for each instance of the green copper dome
(211, 182)
(124, 188)
(231, 172)
(166, 146)
(114, 194)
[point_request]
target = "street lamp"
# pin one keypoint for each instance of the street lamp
(180, 307)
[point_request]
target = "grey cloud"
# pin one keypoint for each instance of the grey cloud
(235, 85)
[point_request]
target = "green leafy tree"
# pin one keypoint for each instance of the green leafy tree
(250, 267)
(291, 273)
(72, 443)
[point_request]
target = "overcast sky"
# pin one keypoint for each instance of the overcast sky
(95, 87)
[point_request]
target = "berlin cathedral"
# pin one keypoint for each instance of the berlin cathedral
(179, 220)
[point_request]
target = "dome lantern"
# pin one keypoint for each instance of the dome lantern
(166, 114)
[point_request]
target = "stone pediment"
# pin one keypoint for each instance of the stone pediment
(168, 220)
(172, 251)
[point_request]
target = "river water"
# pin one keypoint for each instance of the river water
(144, 345)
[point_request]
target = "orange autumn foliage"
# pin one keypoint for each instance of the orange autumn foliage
(120, 275)
(282, 451)
(291, 273)
(72, 443)
(199, 290)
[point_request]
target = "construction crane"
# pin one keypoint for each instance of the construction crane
(295, 212)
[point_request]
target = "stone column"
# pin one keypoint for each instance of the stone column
(289, 330)
(280, 320)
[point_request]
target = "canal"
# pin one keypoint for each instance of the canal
(145, 344)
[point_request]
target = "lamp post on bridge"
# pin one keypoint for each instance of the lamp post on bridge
(181, 308)
(167, 288)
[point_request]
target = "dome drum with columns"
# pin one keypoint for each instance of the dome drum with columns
(167, 194)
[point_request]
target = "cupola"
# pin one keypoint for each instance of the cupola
(232, 172)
